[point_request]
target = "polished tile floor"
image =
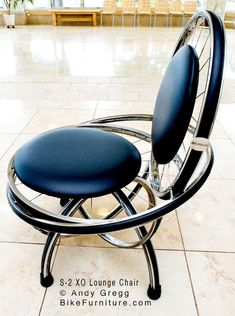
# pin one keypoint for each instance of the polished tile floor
(51, 77)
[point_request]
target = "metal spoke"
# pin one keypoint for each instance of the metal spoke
(140, 197)
(200, 94)
(198, 38)
(204, 45)
(184, 147)
(137, 141)
(194, 30)
(37, 196)
(145, 152)
(163, 169)
(194, 119)
(204, 64)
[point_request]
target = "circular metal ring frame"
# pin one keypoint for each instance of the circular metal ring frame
(180, 191)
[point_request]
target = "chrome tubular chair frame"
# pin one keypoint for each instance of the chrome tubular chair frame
(167, 185)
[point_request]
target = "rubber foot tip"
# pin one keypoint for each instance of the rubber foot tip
(154, 294)
(47, 280)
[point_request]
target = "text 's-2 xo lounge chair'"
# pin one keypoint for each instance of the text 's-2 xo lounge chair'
(100, 157)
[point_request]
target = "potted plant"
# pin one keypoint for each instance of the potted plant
(12, 5)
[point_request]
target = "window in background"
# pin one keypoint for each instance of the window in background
(45, 4)
(230, 6)
(71, 3)
(93, 3)
(82, 3)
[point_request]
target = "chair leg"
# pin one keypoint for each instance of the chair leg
(46, 277)
(154, 289)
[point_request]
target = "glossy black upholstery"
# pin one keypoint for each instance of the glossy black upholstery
(77, 162)
(174, 104)
(73, 162)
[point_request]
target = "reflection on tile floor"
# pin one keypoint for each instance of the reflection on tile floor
(52, 77)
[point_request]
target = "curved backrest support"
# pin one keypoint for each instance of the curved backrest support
(174, 104)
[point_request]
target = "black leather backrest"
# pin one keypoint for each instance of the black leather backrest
(174, 104)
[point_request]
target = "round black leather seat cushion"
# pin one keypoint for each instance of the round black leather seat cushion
(77, 162)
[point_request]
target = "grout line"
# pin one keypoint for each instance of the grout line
(22, 242)
(187, 264)
(52, 266)
(11, 143)
(43, 299)
(96, 107)
(112, 247)
(30, 120)
(157, 249)
(224, 179)
(209, 251)
(20, 133)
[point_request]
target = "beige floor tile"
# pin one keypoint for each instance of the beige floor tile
(218, 132)
(136, 107)
(7, 79)
(228, 95)
(94, 95)
(12, 228)
(207, 220)
(14, 121)
(97, 79)
(136, 80)
(143, 87)
(49, 87)
(148, 96)
(123, 96)
(91, 265)
(21, 293)
(22, 139)
(7, 86)
(73, 79)
(19, 104)
(69, 104)
(58, 95)
(91, 87)
(213, 278)
(48, 119)
(5, 142)
(111, 87)
(31, 86)
(225, 118)
(224, 159)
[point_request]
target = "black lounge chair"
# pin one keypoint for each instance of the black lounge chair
(75, 163)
